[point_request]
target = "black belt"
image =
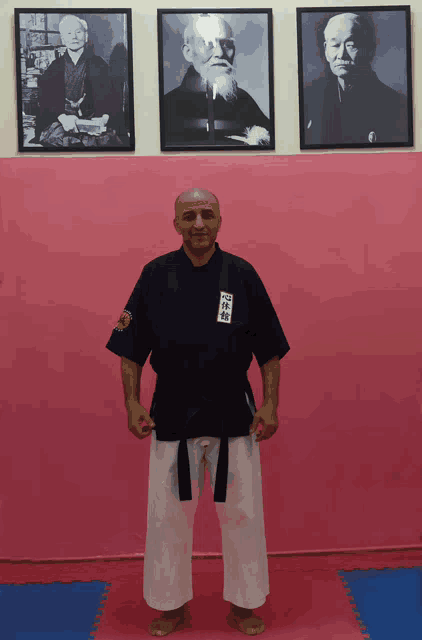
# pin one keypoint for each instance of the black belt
(183, 471)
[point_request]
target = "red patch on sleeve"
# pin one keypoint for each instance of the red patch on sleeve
(124, 321)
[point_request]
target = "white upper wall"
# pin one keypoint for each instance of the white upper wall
(145, 72)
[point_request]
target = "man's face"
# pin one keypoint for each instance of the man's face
(73, 34)
(198, 221)
(342, 49)
(212, 50)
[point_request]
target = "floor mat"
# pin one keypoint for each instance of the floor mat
(51, 611)
(387, 602)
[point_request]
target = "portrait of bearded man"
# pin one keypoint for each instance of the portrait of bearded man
(209, 107)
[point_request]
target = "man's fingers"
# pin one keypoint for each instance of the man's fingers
(255, 425)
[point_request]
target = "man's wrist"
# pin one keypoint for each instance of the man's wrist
(271, 403)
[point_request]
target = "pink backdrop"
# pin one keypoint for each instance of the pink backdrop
(337, 242)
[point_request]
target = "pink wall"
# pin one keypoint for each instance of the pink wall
(337, 242)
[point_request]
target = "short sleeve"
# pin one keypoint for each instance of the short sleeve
(267, 336)
(132, 336)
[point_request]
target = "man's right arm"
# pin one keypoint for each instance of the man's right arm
(137, 414)
(131, 377)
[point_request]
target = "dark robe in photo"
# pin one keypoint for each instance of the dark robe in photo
(84, 90)
(370, 112)
(193, 117)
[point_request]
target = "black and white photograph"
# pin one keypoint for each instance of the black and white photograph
(74, 76)
(355, 79)
(216, 79)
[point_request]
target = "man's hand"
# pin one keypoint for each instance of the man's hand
(68, 122)
(136, 416)
(265, 417)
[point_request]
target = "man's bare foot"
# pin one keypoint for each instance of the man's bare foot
(169, 621)
(245, 620)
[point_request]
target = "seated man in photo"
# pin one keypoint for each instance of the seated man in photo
(349, 104)
(78, 106)
(209, 107)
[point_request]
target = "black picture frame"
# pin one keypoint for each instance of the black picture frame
(376, 111)
(105, 82)
(195, 119)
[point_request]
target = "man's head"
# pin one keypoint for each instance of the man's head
(197, 219)
(209, 46)
(349, 44)
(73, 32)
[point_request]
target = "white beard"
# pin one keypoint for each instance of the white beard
(225, 83)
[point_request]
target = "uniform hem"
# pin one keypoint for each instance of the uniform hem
(161, 607)
(246, 605)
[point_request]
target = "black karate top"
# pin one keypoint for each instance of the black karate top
(201, 363)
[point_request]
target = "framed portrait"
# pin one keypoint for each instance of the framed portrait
(355, 77)
(74, 74)
(216, 79)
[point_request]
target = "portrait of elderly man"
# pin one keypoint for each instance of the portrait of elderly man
(348, 103)
(209, 107)
(78, 105)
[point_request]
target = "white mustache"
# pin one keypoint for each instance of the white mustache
(221, 63)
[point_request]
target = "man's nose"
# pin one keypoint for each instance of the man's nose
(218, 49)
(199, 222)
(342, 53)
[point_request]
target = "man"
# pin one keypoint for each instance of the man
(77, 87)
(349, 104)
(209, 107)
(202, 313)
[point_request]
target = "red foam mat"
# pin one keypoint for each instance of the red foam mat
(307, 601)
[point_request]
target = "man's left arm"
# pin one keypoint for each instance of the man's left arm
(266, 417)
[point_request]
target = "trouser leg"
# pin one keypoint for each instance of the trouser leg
(246, 580)
(168, 549)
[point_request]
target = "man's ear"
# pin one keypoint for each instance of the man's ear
(187, 52)
(176, 226)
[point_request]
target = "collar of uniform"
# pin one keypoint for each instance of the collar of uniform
(212, 263)
(83, 57)
(192, 81)
(365, 82)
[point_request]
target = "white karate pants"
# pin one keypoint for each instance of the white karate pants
(168, 549)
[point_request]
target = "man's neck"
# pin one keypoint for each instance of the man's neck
(75, 55)
(344, 85)
(199, 261)
(357, 78)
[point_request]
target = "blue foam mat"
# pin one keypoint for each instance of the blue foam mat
(388, 601)
(51, 611)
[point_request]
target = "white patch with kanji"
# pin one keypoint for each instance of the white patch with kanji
(226, 307)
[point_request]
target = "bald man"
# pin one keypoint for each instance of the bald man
(349, 104)
(209, 108)
(76, 86)
(202, 313)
